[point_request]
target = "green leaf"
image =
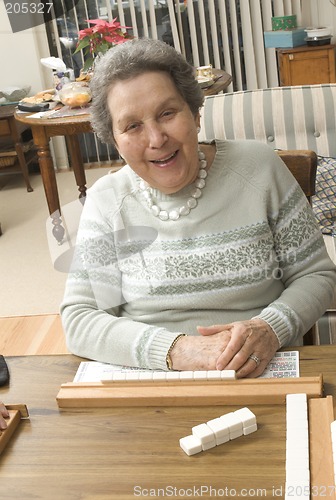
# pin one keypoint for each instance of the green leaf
(85, 42)
(88, 64)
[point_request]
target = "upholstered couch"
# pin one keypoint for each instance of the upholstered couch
(302, 117)
(285, 118)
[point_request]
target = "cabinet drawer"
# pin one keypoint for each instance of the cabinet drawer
(307, 65)
(4, 127)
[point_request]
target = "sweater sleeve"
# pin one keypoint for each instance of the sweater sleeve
(307, 272)
(93, 297)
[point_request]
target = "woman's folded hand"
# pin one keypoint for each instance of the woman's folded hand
(244, 346)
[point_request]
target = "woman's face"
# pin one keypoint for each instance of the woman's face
(155, 131)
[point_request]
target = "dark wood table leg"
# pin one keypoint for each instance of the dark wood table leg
(19, 151)
(23, 165)
(41, 141)
(77, 165)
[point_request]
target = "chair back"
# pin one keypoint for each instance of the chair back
(303, 165)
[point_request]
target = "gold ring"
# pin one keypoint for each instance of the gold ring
(255, 359)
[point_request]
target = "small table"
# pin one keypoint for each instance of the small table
(222, 81)
(107, 453)
(45, 128)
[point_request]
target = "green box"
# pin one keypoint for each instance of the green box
(283, 39)
(284, 23)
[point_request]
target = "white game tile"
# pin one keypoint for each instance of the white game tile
(191, 445)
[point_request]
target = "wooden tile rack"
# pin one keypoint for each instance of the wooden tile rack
(186, 393)
(16, 412)
(320, 416)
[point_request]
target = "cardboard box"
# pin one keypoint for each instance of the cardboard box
(284, 23)
(285, 38)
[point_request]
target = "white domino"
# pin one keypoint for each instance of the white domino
(219, 431)
(228, 375)
(205, 435)
(251, 428)
(214, 375)
(186, 375)
(247, 417)
(119, 376)
(200, 375)
(157, 375)
(234, 424)
(172, 376)
(191, 445)
(145, 376)
(133, 375)
(297, 446)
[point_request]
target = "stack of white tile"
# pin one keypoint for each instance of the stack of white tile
(153, 375)
(219, 430)
(297, 447)
(333, 442)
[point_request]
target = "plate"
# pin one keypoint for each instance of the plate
(321, 31)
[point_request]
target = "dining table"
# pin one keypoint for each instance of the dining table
(127, 452)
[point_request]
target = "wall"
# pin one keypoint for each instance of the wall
(20, 55)
(323, 13)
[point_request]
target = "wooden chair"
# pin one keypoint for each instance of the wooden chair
(303, 165)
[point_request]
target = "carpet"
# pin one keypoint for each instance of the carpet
(30, 284)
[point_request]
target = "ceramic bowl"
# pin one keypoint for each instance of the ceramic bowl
(14, 94)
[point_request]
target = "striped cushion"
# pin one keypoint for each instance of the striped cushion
(302, 117)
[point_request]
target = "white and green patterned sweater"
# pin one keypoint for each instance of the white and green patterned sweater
(250, 248)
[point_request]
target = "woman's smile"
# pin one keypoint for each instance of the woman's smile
(165, 162)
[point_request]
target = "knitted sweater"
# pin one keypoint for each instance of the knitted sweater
(251, 248)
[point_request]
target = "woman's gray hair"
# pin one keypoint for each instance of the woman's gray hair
(133, 58)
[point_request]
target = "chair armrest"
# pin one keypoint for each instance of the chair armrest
(303, 165)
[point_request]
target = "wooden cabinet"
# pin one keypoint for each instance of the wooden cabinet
(16, 148)
(307, 65)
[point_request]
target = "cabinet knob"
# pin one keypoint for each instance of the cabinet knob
(290, 57)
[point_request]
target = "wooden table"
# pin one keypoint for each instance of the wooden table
(45, 128)
(122, 452)
(222, 81)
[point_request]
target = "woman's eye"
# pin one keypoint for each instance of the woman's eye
(167, 113)
(132, 126)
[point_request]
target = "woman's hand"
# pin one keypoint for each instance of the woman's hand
(3, 415)
(228, 347)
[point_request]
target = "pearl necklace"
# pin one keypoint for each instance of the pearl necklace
(191, 202)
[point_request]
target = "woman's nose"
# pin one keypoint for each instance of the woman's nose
(157, 135)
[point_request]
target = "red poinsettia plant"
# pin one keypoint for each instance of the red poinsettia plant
(99, 38)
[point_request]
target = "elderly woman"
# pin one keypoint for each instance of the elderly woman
(191, 257)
